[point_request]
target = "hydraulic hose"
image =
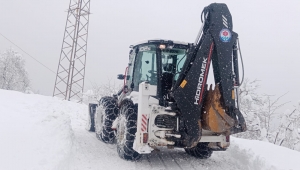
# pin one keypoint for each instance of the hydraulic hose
(240, 52)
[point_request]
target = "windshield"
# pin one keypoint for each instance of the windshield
(173, 60)
(145, 66)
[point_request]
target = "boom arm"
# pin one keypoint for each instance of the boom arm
(217, 45)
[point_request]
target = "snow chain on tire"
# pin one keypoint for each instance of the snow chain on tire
(106, 113)
(126, 130)
(201, 151)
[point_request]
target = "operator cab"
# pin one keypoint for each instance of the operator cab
(159, 62)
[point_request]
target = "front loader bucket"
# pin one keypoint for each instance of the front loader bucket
(214, 117)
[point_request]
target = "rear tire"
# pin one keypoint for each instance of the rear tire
(126, 131)
(106, 113)
(201, 151)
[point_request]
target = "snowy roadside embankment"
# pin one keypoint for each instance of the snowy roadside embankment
(40, 132)
(277, 157)
(35, 130)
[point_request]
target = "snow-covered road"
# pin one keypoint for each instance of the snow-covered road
(90, 153)
(39, 132)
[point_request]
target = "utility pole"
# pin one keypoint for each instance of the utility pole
(69, 82)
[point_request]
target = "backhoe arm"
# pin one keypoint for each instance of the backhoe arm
(216, 45)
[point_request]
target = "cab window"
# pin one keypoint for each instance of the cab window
(145, 66)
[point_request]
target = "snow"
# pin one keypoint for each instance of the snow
(35, 131)
(134, 96)
(279, 157)
(40, 132)
(248, 97)
(143, 148)
(114, 124)
(158, 39)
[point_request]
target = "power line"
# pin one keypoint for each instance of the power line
(33, 57)
(27, 54)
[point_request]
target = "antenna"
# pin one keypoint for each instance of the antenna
(69, 80)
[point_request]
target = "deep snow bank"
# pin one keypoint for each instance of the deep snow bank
(35, 130)
(277, 157)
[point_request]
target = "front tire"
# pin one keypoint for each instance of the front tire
(126, 131)
(201, 151)
(106, 113)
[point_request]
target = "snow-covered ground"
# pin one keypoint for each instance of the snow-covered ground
(39, 132)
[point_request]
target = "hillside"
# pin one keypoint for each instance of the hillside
(41, 132)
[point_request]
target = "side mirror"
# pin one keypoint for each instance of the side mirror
(120, 76)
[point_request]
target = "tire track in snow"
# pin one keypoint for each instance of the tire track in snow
(143, 163)
(155, 161)
(184, 163)
(174, 159)
(168, 161)
(165, 159)
(162, 161)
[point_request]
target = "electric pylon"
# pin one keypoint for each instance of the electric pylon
(69, 80)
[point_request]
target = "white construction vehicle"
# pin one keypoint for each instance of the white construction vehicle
(165, 100)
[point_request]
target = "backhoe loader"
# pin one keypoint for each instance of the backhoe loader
(165, 100)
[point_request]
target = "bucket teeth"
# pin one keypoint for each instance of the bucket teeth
(214, 117)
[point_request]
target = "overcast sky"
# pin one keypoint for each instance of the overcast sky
(269, 33)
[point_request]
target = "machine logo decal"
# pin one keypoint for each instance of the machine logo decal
(200, 81)
(145, 48)
(203, 77)
(225, 35)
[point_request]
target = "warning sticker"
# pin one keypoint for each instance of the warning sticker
(183, 83)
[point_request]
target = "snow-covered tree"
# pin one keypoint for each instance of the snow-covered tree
(259, 111)
(269, 115)
(100, 90)
(288, 132)
(250, 104)
(13, 75)
(264, 119)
